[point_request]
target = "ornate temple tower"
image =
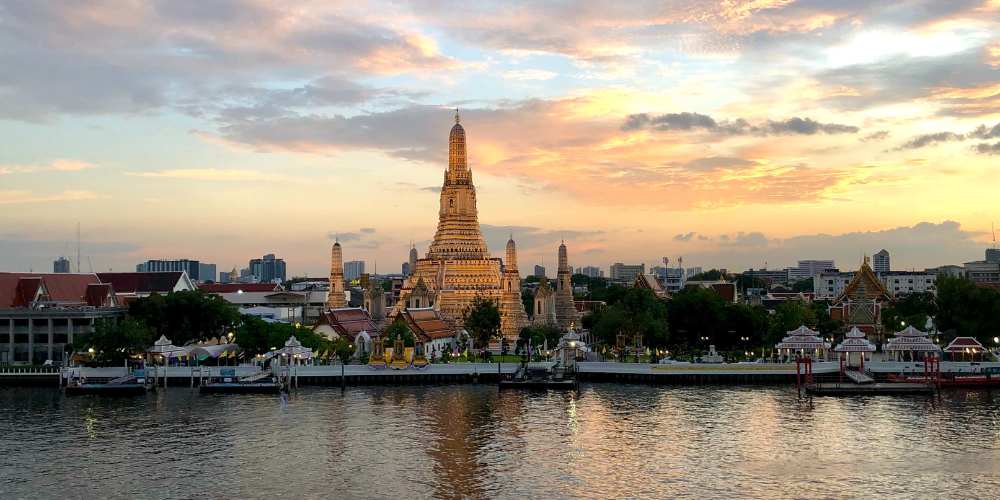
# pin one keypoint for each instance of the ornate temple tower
(413, 260)
(458, 266)
(565, 310)
(375, 301)
(545, 304)
(511, 305)
(335, 298)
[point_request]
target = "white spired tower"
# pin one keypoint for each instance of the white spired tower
(335, 299)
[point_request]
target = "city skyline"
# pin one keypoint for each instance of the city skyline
(730, 134)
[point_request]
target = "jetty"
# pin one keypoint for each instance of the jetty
(132, 383)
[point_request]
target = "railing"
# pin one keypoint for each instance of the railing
(46, 370)
(256, 376)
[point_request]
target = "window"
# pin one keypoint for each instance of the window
(830, 289)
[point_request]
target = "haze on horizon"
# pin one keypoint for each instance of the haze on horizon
(731, 133)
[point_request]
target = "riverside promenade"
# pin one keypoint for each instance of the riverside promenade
(487, 373)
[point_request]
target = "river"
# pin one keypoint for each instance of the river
(449, 442)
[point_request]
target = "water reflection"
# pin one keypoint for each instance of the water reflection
(608, 441)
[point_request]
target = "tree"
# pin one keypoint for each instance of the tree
(532, 279)
(912, 309)
(539, 335)
(186, 316)
(399, 330)
(579, 279)
(256, 336)
(803, 286)
(115, 342)
(697, 313)
(788, 316)
(967, 310)
(528, 299)
(482, 320)
(637, 314)
(711, 275)
(745, 281)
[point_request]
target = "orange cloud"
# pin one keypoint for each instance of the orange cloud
(9, 197)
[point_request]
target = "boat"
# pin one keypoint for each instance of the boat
(541, 376)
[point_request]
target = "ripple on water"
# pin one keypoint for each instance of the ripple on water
(608, 441)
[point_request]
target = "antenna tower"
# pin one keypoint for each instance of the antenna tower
(78, 247)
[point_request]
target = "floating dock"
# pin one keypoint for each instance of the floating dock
(238, 388)
(873, 389)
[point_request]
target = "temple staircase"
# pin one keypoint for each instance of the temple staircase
(859, 378)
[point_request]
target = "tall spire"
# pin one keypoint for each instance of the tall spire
(457, 119)
(458, 234)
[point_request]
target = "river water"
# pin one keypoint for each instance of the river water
(608, 441)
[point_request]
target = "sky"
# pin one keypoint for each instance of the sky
(733, 133)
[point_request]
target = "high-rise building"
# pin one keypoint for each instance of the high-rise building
(268, 269)
(993, 255)
(627, 272)
(406, 269)
(539, 270)
(354, 269)
(140, 268)
(61, 265)
(191, 267)
(808, 269)
(691, 271)
(206, 271)
(880, 262)
(592, 272)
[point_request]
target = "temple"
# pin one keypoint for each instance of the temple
(860, 305)
(458, 266)
(566, 314)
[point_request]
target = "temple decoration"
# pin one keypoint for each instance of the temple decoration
(419, 354)
(377, 357)
(398, 358)
(511, 305)
(458, 266)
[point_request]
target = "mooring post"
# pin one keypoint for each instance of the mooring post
(343, 381)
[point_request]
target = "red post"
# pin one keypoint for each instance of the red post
(798, 373)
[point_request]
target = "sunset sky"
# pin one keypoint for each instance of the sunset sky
(732, 133)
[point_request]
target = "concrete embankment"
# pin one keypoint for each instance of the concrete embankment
(487, 373)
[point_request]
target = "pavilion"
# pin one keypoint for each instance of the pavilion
(910, 340)
(855, 341)
(804, 342)
(967, 347)
(293, 352)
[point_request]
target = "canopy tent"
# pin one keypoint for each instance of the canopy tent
(912, 340)
(202, 352)
(966, 347)
(805, 342)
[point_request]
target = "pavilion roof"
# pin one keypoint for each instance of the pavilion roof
(874, 288)
(803, 338)
(962, 343)
(911, 339)
(855, 341)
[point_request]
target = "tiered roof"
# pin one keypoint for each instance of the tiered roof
(350, 322)
(911, 339)
(855, 341)
(803, 338)
(426, 323)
